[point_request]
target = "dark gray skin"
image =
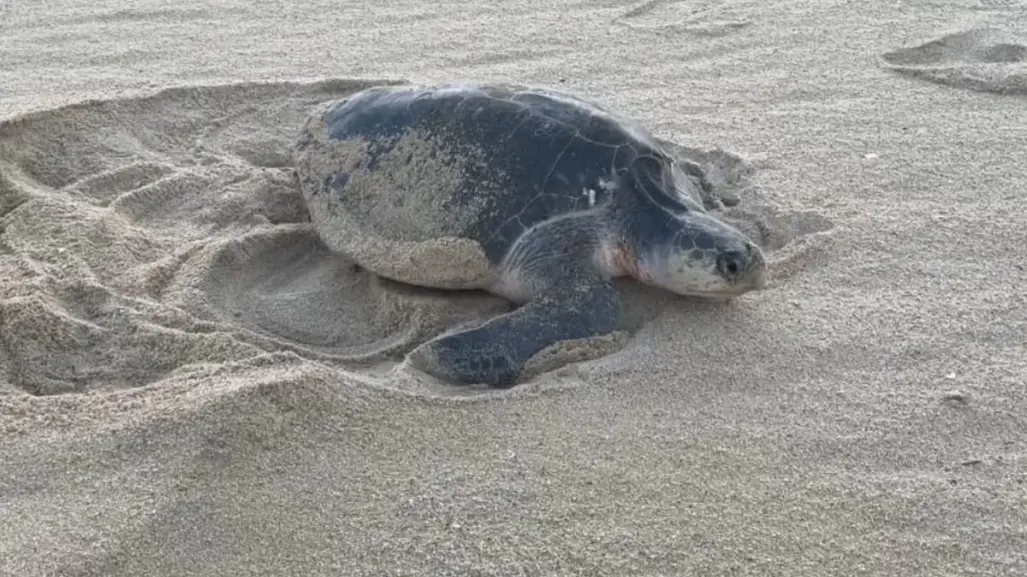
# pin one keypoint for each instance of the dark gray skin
(575, 196)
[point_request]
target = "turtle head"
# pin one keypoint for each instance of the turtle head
(677, 245)
(696, 254)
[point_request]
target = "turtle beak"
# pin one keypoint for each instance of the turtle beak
(744, 269)
(758, 272)
(756, 275)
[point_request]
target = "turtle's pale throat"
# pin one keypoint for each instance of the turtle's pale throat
(625, 258)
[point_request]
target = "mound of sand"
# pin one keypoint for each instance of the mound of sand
(982, 59)
(145, 239)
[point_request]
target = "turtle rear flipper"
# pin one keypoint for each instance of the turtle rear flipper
(569, 300)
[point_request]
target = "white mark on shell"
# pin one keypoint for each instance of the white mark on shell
(591, 194)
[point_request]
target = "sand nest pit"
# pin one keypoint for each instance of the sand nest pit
(143, 237)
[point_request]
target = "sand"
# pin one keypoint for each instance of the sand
(192, 384)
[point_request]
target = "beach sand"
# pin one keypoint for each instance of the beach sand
(191, 384)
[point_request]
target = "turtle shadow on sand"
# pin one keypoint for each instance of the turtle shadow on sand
(150, 239)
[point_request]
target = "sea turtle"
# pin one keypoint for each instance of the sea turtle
(532, 194)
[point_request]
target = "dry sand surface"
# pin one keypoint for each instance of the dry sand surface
(190, 384)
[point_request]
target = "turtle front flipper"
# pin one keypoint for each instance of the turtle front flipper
(570, 299)
(495, 353)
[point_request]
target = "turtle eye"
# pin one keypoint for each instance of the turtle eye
(732, 263)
